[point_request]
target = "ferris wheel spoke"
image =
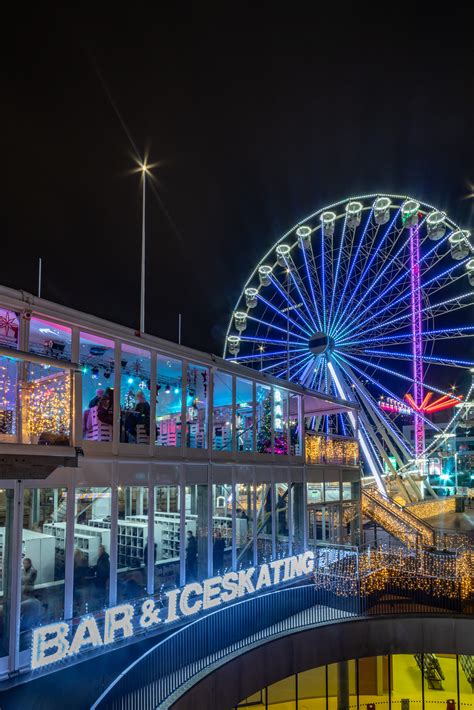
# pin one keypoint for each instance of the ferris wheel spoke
(365, 271)
(391, 281)
(379, 418)
(294, 359)
(311, 287)
(441, 308)
(291, 303)
(405, 338)
(305, 369)
(390, 371)
(300, 287)
(431, 359)
(405, 274)
(442, 280)
(352, 263)
(263, 339)
(299, 362)
(264, 355)
(336, 273)
(284, 316)
(382, 388)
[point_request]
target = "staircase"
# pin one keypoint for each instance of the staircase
(468, 667)
(396, 520)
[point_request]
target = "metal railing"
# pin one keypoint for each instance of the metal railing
(169, 669)
(403, 523)
(396, 520)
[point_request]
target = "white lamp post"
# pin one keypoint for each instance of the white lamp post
(144, 172)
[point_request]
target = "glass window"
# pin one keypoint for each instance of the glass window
(373, 683)
(222, 527)
(47, 405)
(50, 339)
(440, 681)
(295, 429)
(167, 537)
(315, 493)
(264, 515)
(243, 524)
(132, 542)
(169, 394)
(97, 359)
(9, 328)
(350, 523)
(346, 491)
(135, 395)
(91, 549)
(331, 491)
(196, 532)
(280, 421)
(264, 419)
(282, 518)
(196, 407)
(9, 410)
(6, 530)
(244, 415)
(342, 684)
(43, 558)
(222, 412)
(297, 506)
(406, 680)
(282, 694)
(466, 681)
(257, 701)
(312, 687)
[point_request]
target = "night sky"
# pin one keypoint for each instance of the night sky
(257, 118)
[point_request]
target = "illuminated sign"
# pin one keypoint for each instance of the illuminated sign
(61, 640)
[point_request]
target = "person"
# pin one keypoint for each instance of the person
(30, 613)
(80, 567)
(145, 553)
(282, 509)
(28, 577)
(96, 399)
(218, 551)
(133, 585)
(102, 571)
(191, 557)
(140, 415)
(105, 407)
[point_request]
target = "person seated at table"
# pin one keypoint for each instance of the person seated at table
(105, 407)
(139, 415)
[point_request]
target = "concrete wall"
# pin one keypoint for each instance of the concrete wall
(278, 659)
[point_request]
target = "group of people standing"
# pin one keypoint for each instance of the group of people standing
(192, 554)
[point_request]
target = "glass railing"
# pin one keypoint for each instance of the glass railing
(327, 448)
(35, 400)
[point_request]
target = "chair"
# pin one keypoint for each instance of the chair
(142, 436)
(97, 430)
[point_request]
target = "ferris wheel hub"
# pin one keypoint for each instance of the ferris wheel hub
(320, 343)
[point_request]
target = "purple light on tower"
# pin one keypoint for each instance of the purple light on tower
(417, 343)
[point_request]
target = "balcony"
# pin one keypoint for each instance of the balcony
(331, 449)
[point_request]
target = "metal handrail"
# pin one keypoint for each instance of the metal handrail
(389, 505)
(167, 670)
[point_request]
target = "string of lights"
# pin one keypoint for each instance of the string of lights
(362, 574)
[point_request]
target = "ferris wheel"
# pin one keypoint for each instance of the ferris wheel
(368, 299)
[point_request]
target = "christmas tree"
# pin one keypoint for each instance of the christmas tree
(264, 433)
